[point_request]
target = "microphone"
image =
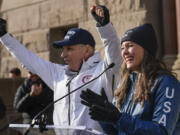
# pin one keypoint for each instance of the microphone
(53, 102)
(110, 66)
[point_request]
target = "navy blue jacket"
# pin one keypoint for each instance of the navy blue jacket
(158, 117)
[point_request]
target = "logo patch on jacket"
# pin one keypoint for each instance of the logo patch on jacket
(86, 78)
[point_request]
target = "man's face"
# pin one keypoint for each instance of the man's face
(73, 56)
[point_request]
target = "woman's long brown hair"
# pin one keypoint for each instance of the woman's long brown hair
(149, 70)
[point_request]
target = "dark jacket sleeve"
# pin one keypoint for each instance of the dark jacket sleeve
(108, 128)
(165, 114)
(46, 96)
(22, 99)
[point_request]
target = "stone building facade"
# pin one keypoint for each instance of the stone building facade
(37, 23)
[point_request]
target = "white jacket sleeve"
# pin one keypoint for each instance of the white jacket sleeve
(112, 48)
(45, 69)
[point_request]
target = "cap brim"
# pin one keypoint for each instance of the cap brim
(59, 44)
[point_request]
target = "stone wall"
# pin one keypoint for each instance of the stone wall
(31, 22)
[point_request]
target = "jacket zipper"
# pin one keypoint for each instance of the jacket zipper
(69, 98)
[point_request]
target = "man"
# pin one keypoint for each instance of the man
(15, 73)
(83, 64)
(31, 97)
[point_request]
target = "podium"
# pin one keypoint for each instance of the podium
(56, 130)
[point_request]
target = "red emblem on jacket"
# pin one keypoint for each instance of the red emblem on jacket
(86, 78)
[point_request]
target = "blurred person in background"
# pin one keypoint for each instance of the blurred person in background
(31, 97)
(15, 73)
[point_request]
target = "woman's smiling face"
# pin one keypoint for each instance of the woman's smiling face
(133, 55)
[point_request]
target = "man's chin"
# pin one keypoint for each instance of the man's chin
(71, 67)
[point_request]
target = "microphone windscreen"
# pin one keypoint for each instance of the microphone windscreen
(111, 65)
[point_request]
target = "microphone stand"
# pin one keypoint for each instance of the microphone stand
(34, 120)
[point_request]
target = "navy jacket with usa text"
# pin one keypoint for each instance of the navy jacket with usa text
(158, 117)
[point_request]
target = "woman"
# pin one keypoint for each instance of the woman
(148, 99)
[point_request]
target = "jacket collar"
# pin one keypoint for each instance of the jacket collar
(91, 62)
(133, 76)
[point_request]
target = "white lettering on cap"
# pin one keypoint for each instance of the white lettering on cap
(127, 33)
(66, 37)
(69, 34)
